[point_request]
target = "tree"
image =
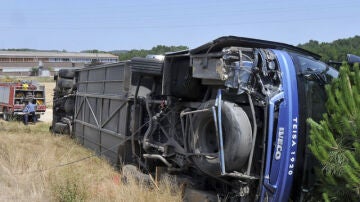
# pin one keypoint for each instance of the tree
(159, 49)
(34, 71)
(93, 51)
(336, 50)
(335, 140)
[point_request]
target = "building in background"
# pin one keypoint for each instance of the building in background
(22, 63)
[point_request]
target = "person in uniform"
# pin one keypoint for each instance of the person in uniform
(29, 110)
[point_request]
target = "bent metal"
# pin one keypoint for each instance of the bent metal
(223, 116)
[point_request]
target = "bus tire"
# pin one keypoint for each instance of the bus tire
(67, 73)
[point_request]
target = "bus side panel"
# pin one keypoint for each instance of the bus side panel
(100, 119)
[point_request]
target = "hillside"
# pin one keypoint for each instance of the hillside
(128, 54)
(336, 50)
(159, 49)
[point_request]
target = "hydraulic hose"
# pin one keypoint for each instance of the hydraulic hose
(149, 130)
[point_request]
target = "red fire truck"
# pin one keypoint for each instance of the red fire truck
(14, 95)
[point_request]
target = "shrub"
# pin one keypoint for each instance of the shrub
(335, 139)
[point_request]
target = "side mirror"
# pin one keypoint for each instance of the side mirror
(353, 58)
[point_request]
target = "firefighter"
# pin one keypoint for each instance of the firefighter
(30, 109)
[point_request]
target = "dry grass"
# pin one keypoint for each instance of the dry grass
(26, 78)
(26, 149)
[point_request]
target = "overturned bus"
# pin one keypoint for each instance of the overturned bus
(228, 116)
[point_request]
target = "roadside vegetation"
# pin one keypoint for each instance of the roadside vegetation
(27, 78)
(29, 170)
(335, 139)
(336, 50)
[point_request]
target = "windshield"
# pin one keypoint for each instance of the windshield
(314, 70)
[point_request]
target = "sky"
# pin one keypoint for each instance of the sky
(133, 24)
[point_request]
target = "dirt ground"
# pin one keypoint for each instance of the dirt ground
(49, 92)
(47, 117)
